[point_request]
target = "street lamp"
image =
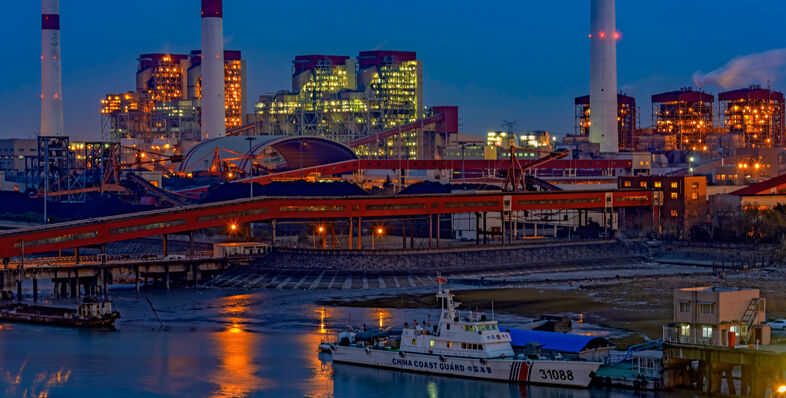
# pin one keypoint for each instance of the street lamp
(232, 230)
(376, 231)
(319, 229)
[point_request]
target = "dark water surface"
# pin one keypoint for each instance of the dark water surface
(224, 344)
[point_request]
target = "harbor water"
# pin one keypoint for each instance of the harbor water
(221, 343)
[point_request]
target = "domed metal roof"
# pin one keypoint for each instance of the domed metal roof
(275, 153)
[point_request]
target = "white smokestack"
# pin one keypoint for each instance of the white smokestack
(603, 75)
(51, 79)
(213, 111)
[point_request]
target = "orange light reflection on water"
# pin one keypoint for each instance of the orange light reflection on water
(237, 372)
(40, 386)
(319, 380)
(384, 316)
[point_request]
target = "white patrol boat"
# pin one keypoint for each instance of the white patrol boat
(469, 347)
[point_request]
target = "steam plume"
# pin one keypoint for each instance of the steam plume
(744, 70)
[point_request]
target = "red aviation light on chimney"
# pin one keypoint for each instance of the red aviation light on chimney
(602, 35)
(617, 35)
(212, 8)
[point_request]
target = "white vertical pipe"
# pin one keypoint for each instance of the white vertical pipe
(213, 107)
(603, 75)
(51, 78)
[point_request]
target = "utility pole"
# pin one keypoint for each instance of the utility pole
(250, 167)
(46, 181)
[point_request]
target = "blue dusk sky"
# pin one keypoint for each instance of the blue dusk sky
(496, 60)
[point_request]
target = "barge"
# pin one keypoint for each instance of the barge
(90, 313)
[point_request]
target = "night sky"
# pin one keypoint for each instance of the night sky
(496, 60)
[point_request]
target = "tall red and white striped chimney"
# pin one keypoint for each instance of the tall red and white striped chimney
(51, 78)
(213, 108)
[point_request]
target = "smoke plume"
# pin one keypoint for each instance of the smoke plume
(744, 70)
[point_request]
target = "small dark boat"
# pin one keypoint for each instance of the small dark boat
(90, 313)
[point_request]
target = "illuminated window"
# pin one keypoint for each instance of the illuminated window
(627, 183)
(695, 185)
(734, 329)
(657, 184)
(449, 344)
(431, 343)
(706, 332)
(643, 184)
(414, 341)
(694, 195)
(685, 330)
(674, 195)
(674, 213)
(675, 184)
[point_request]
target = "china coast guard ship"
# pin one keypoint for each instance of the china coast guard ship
(468, 346)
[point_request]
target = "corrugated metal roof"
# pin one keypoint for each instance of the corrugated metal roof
(563, 342)
(761, 188)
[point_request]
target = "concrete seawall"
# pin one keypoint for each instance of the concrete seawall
(321, 269)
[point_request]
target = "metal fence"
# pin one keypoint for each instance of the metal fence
(692, 335)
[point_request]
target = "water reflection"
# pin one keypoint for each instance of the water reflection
(39, 387)
(237, 372)
(318, 380)
(384, 317)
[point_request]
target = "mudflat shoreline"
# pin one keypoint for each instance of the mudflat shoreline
(641, 307)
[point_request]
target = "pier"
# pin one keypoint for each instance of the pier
(74, 280)
(748, 371)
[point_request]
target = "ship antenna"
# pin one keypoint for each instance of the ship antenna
(492, 310)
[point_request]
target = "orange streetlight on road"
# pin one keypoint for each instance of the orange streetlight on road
(232, 230)
(377, 231)
(321, 230)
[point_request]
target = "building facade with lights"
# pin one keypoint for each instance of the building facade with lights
(626, 119)
(165, 108)
(754, 115)
(341, 98)
(684, 114)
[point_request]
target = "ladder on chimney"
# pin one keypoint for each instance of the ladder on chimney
(750, 314)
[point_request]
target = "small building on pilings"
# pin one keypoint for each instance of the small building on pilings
(719, 342)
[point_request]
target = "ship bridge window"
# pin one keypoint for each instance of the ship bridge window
(431, 343)
(448, 326)
(449, 344)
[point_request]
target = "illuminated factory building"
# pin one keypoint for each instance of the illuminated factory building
(234, 85)
(755, 115)
(335, 97)
(166, 106)
(626, 119)
(684, 114)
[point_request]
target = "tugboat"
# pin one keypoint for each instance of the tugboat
(90, 313)
(469, 347)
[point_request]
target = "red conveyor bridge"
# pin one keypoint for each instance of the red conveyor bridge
(98, 231)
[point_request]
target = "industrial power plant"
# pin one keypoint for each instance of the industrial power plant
(346, 177)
